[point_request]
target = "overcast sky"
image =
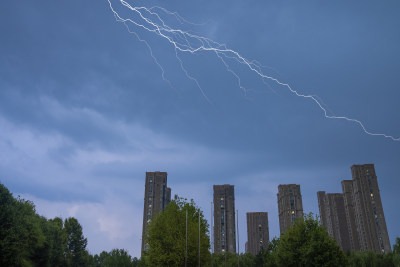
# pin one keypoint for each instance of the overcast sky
(85, 111)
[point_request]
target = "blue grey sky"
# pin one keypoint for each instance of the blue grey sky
(85, 112)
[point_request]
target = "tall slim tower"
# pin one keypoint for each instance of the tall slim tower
(156, 198)
(257, 232)
(370, 219)
(224, 219)
(322, 210)
(290, 205)
(348, 197)
(333, 217)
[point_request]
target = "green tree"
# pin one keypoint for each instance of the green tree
(225, 259)
(76, 253)
(99, 259)
(117, 258)
(166, 236)
(27, 239)
(396, 253)
(396, 260)
(139, 262)
(21, 235)
(247, 260)
(370, 259)
(270, 255)
(9, 254)
(396, 246)
(41, 255)
(307, 243)
(57, 239)
(266, 257)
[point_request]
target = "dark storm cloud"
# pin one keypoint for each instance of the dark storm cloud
(84, 111)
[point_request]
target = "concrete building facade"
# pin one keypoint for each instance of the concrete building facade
(333, 217)
(224, 219)
(369, 216)
(348, 197)
(156, 198)
(257, 232)
(290, 205)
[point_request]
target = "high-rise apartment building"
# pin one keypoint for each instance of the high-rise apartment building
(156, 198)
(257, 232)
(355, 218)
(333, 217)
(290, 205)
(224, 219)
(369, 217)
(348, 197)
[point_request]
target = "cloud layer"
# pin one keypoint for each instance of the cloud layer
(84, 111)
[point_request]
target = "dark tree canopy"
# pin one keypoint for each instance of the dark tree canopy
(21, 233)
(76, 243)
(115, 258)
(166, 236)
(307, 243)
(27, 239)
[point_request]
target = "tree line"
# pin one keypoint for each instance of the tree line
(27, 239)
(306, 243)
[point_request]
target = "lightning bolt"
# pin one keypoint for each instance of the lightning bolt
(187, 42)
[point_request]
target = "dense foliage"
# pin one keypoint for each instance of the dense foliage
(167, 236)
(307, 243)
(115, 258)
(27, 239)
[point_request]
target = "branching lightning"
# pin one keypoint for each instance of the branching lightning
(187, 42)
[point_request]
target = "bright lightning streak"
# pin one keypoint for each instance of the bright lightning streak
(186, 42)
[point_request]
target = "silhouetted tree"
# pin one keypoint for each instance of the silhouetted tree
(247, 260)
(57, 238)
(166, 236)
(307, 243)
(76, 253)
(115, 258)
(21, 235)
